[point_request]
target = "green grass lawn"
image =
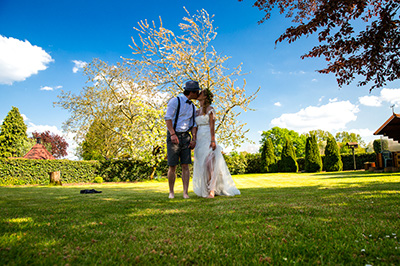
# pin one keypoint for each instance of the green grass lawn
(326, 218)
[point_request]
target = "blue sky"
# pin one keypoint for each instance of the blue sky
(44, 42)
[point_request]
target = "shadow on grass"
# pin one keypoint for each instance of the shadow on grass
(36, 220)
(354, 174)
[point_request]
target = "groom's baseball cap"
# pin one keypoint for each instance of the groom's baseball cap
(192, 85)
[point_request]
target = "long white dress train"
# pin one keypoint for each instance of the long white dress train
(204, 157)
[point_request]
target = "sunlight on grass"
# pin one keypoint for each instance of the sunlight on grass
(348, 218)
(19, 220)
(109, 199)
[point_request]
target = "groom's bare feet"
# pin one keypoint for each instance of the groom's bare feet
(171, 195)
(185, 196)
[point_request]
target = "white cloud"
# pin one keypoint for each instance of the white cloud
(391, 96)
(333, 100)
(24, 117)
(250, 148)
(53, 129)
(365, 133)
(47, 88)
(278, 104)
(332, 116)
(370, 101)
(300, 72)
(320, 99)
(78, 65)
(275, 72)
(20, 59)
(314, 80)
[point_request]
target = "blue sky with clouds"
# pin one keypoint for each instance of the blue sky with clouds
(44, 44)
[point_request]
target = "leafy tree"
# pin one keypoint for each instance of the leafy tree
(357, 38)
(278, 137)
(344, 137)
(333, 160)
(13, 137)
(288, 161)
(380, 145)
(100, 143)
(122, 109)
(322, 136)
(313, 162)
(268, 158)
(58, 145)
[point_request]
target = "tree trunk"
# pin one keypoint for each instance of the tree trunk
(55, 178)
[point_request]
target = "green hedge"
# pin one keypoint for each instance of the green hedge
(347, 160)
(24, 171)
(251, 163)
(348, 163)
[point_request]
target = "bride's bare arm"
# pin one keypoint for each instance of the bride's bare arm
(192, 144)
(212, 130)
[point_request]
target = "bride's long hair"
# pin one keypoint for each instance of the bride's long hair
(208, 101)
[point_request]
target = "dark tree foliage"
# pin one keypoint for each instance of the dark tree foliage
(380, 145)
(58, 144)
(333, 160)
(370, 51)
(13, 134)
(313, 161)
(288, 161)
(268, 157)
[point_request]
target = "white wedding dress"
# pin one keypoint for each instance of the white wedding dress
(205, 158)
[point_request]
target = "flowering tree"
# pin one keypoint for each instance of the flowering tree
(169, 60)
(128, 100)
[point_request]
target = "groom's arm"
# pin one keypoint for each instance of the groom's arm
(171, 130)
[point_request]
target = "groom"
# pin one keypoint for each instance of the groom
(180, 121)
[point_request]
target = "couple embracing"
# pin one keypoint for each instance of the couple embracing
(189, 129)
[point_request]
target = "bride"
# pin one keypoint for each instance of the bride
(210, 173)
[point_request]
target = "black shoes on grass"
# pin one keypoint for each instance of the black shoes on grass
(89, 191)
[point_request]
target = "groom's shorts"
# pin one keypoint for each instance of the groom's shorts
(179, 152)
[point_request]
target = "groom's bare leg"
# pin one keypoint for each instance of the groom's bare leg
(171, 180)
(185, 180)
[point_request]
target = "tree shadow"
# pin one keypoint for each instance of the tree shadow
(60, 216)
(353, 174)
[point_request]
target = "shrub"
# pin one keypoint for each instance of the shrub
(301, 162)
(236, 163)
(254, 163)
(380, 145)
(268, 160)
(116, 180)
(98, 179)
(288, 161)
(313, 162)
(332, 160)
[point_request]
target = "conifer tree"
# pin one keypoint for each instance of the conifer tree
(288, 161)
(313, 162)
(333, 160)
(13, 135)
(268, 156)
